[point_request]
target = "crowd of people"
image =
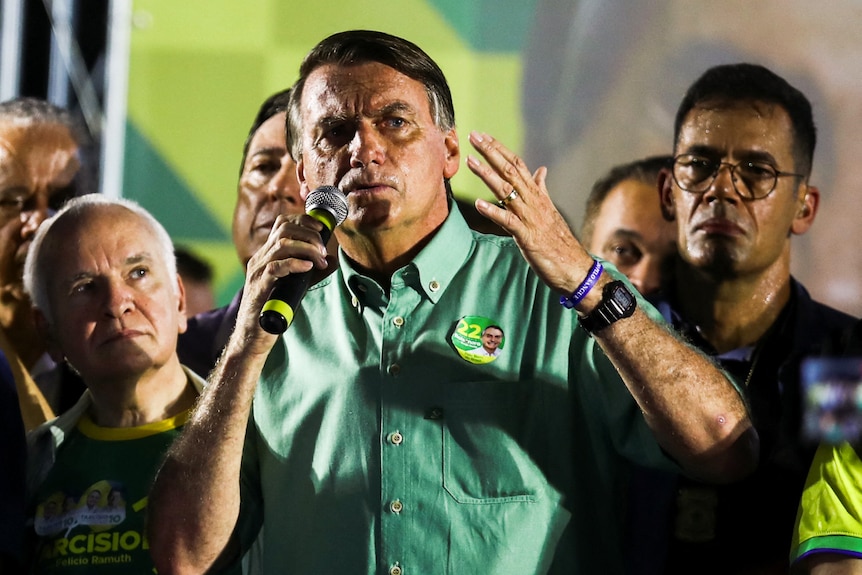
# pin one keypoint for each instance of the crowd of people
(507, 396)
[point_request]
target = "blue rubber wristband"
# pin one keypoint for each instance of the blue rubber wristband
(585, 287)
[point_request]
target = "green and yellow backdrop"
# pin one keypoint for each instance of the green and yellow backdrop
(199, 69)
(577, 85)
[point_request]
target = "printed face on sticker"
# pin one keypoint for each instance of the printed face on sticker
(478, 339)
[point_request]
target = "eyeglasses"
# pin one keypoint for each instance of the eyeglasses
(695, 174)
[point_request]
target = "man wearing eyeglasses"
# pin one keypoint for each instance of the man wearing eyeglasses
(738, 189)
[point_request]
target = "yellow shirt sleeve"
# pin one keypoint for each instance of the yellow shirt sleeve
(829, 518)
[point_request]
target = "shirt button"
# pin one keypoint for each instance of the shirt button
(396, 438)
(434, 413)
(362, 287)
(396, 570)
(394, 369)
(354, 301)
(398, 321)
(396, 506)
(434, 285)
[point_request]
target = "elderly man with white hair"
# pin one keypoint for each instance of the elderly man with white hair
(102, 277)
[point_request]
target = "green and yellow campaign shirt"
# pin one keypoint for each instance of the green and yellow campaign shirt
(89, 510)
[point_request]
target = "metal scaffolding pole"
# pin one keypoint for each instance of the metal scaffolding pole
(62, 40)
(12, 30)
(67, 66)
(116, 93)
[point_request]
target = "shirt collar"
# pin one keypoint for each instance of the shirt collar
(430, 272)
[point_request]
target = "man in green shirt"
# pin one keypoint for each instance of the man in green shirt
(364, 439)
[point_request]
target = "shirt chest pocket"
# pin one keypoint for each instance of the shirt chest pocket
(492, 442)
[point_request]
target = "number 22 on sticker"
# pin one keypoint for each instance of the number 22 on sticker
(472, 330)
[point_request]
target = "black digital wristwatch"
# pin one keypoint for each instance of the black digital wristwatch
(617, 303)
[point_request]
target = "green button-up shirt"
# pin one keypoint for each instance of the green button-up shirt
(377, 446)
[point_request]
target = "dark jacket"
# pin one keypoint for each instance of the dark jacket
(203, 341)
(690, 527)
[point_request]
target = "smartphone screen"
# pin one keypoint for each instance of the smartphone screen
(832, 391)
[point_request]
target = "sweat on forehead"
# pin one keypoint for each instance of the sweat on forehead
(354, 47)
(759, 107)
(766, 122)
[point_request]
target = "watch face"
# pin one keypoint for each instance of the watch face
(622, 297)
(619, 300)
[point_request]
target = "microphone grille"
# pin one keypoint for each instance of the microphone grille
(328, 198)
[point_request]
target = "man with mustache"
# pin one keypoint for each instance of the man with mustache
(361, 439)
(739, 191)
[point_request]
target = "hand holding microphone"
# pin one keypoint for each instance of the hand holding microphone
(328, 205)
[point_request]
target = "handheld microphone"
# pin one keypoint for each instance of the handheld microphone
(328, 205)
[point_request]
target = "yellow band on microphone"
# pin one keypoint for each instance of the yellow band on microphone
(325, 217)
(279, 306)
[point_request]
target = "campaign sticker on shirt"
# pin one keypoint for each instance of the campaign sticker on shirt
(478, 339)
